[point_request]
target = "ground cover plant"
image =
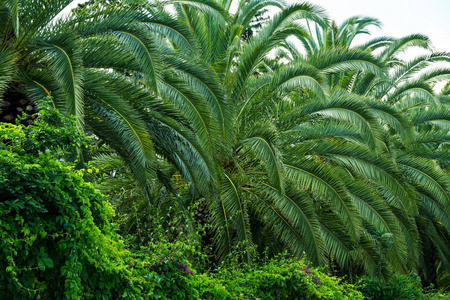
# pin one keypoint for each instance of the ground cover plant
(270, 133)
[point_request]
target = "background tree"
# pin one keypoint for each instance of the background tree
(408, 82)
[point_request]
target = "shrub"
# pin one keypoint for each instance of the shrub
(56, 238)
(168, 246)
(397, 287)
(284, 279)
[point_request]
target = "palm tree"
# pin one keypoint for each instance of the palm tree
(248, 115)
(103, 65)
(331, 155)
(267, 193)
(408, 183)
(422, 160)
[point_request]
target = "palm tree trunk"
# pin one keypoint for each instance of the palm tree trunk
(428, 272)
(14, 104)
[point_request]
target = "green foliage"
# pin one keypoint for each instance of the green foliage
(178, 278)
(397, 287)
(438, 295)
(51, 132)
(168, 248)
(169, 244)
(341, 157)
(57, 241)
(282, 278)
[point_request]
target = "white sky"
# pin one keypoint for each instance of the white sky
(399, 17)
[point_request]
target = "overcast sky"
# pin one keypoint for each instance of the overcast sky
(399, 17)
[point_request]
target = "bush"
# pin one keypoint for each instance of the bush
(57, 241)
(397, 287)
(169, 265)
(169, 247)
(278, 279)
(284, 279)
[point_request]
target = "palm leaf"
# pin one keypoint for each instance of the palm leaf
(342, 60)
(233, 202)
(262, 141)
(6, 69)
(142, 46)
(323, 181)
(371, 166)
(427, 176)
(299, 76)
(64, 58)
(291, 216)
(254, 52)
(378, 214)
(344, 107)
(192, 106)
(122, 123)
(209, 7)
(396, 120)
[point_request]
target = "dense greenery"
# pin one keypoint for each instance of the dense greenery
(58, 242)
(398, 287)
(56, 236)
(262, 133)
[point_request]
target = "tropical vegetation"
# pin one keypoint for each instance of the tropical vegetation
(261, 127)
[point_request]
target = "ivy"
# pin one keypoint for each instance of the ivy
(57, 241)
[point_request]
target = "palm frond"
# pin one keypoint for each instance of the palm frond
(254, 52)
(14, 8)
(142, 45)
(339, 244)
(342, 60)
(323, 181)
(209, 7)
(180, 146)
(37, 16)
(299, 76)
(416, 89)
(376, 43)
(436, 209)
(127, 131)
(439, 118)
(192, 106)
(374, 167)
(205, 82)
(248, 10)
(345, 107)
(291, 216)
(176, 31)
(6, 70)
(395, 119)
(400, 45)
(377, 213)
(426, 176)
(262, 140)
(233, 201)
(64, 57)
(325, 130)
